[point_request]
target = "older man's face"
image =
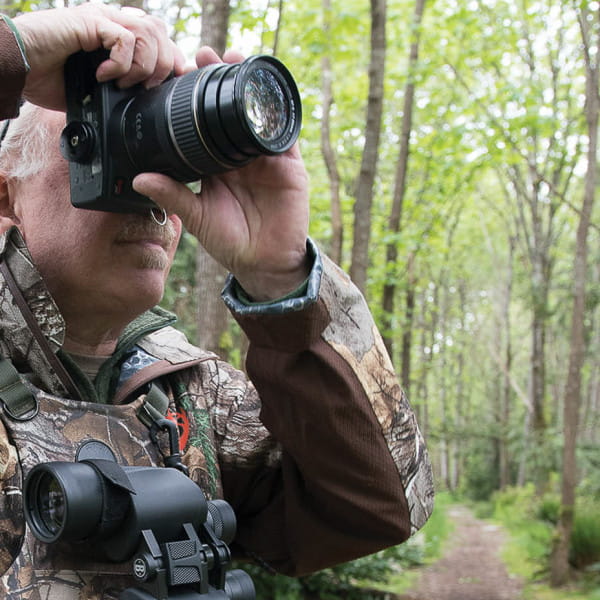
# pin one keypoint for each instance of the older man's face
(103, 263)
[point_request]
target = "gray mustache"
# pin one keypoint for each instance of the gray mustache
(140, 227)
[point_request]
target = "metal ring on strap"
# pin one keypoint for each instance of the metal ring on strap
(18, 402)
(35, 409)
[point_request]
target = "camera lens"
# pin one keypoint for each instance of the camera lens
(208, 121)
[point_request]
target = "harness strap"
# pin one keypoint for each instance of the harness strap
(154, 407)
(19, 403)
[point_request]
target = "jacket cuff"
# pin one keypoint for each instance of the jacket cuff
(307, 294)
(13, 68)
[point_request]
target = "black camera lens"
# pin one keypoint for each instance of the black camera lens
(208, 121)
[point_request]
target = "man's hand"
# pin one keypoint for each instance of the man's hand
(253, 220)
(140, 48)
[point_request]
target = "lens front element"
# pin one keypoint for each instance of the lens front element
(265, 104)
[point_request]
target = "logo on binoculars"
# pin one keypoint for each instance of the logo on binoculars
(139, 568)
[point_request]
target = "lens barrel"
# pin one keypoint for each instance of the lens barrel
(210, 120)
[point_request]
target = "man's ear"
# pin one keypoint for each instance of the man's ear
(7, 209)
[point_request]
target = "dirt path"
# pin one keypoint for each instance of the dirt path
(470, 568)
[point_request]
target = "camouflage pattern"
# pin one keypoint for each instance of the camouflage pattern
(217, 409)
(369, 359)
(16, 339)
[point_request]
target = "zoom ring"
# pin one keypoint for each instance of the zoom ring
(184, 126)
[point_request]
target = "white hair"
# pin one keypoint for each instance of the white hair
(24, 151)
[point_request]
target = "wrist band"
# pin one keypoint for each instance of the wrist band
(18, 38)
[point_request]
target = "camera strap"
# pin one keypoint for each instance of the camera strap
(34, 327)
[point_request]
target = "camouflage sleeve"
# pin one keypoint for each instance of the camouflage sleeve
(12, 527)
(353, 476)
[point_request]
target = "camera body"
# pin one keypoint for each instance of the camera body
(100, 175)
(204, 122)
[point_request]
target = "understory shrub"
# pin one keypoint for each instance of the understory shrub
(533, 519)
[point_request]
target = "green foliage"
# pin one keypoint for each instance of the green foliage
(532, 519)
(481, 478)
(531, 538)
(585, 539)
(436, 530)
(349, 580)
(548, 508)
(179, 295)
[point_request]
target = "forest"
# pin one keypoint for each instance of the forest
(452, 152)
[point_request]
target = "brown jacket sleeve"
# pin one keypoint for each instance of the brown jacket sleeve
(12, 72)
(354, 475)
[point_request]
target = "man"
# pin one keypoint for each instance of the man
(319, 454)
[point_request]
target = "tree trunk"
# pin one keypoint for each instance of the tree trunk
(329, 156)
(368, 167)
(407, 327)
(395, 220)
(215, 23)
(213, 317)
(572, 399)
(506, 386)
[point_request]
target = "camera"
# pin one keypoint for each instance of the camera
(155, 516)
(204, 122)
